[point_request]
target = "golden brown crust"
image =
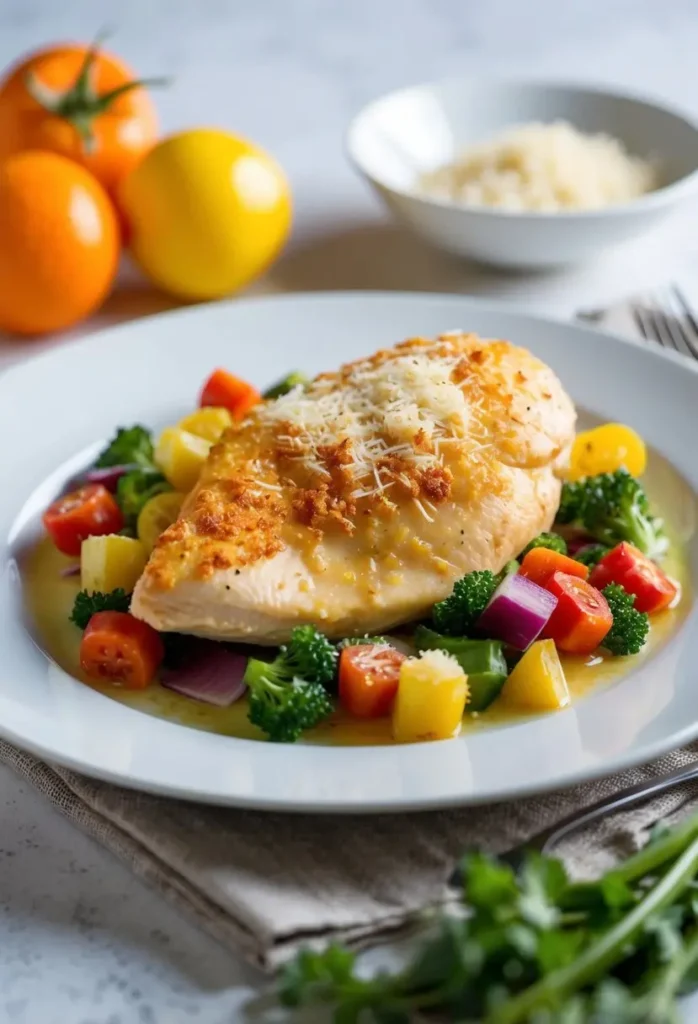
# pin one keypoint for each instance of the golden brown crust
(272, 481)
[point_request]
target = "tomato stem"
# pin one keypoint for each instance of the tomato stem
(80, 104)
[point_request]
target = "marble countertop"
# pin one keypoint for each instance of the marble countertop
(81, 940)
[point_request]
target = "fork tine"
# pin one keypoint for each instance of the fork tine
(648, 326)
(687, 313)
(671, 325)
(643, 327)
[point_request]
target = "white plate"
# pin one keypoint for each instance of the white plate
(55, 407)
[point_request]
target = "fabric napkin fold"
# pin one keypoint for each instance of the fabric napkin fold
(267, 884)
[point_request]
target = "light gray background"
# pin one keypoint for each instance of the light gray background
(81, 941)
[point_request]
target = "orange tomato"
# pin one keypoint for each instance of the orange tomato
(82, 103)
(59, 243)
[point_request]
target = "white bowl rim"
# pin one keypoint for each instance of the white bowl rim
(657, 198)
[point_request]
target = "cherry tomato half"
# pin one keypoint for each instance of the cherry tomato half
(88, 512)
(117, 648)
(638, 574)
(581, 618)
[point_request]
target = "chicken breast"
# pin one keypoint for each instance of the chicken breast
(354, 504)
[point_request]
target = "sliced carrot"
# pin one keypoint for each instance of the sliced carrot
(540, 565)
(369, 675)
(229, 392)
(117, 648)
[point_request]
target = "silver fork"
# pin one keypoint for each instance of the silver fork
(666, 318)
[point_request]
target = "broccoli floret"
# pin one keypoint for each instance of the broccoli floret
(457, 614)
(591, 554)
(134, 489)
(628, 634)
(553, 541)
(289, 695)
(613, 507)
(131, 446)
(287, 384)
(86, 605)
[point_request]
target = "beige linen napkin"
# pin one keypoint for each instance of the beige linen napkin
(267, 884)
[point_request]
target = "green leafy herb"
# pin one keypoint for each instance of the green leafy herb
(535, 947)
(131, 446)
(86, 605)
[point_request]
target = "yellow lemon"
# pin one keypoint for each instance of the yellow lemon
(206, 213)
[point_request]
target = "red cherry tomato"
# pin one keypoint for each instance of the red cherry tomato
(581, 618)
(368, 679)
(636, 573)
(84, 513)
(117, 648)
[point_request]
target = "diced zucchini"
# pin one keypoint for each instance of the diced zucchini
(180, 456)
(537, 683)
(209, 422)
(430, 699)
(482, 661)
(111, 561)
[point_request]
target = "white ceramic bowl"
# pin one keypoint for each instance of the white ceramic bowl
(405, 133)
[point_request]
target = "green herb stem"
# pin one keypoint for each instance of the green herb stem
(608, 948)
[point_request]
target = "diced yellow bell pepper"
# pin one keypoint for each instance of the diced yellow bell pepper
(208, 423)
(605, 449)
(431, 698)
(156, 515)
(111, 561)
(180, 455)
(538, 682)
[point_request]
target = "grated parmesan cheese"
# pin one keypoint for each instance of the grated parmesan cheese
(406, 406)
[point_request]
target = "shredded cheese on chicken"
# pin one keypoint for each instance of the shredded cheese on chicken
(392, 412)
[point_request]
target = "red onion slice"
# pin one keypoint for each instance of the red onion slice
(207, 671)
(517, 612)
(109, 476)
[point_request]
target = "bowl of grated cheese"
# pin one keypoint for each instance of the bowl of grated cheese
(525, 174)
